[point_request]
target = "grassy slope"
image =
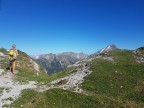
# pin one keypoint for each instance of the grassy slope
(24, 75)
(26, 65)
(122, 79)
(25, 68)
(117, 84)
(57, 98)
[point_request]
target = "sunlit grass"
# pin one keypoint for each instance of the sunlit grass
(122, 78)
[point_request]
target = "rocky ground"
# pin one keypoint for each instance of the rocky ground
(71, 82)
(10, 89)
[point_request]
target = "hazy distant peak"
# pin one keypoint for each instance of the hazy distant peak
(80, 55)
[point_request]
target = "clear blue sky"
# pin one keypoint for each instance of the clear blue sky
(44, 26)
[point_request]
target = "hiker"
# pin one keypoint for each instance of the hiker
(13, 56)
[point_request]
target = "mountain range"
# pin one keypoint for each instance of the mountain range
(54, 63)
(57, 62)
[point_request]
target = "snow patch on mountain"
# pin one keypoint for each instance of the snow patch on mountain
(104, 50)
(108, 48)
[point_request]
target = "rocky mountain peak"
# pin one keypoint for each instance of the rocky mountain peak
(104, 50)
(108, 48)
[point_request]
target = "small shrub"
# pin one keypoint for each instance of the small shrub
(10, 99)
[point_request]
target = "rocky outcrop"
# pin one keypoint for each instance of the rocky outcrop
(139, 54)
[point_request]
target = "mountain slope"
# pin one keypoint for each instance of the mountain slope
(27, 73)
(121, 78)
(113, 83)
(25, 64)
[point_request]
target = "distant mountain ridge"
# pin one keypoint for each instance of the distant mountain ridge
(76, 55)
(57, 62)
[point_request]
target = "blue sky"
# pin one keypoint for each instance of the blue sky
(55, 26)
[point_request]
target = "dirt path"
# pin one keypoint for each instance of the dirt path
(11, 89)
(71, 82)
